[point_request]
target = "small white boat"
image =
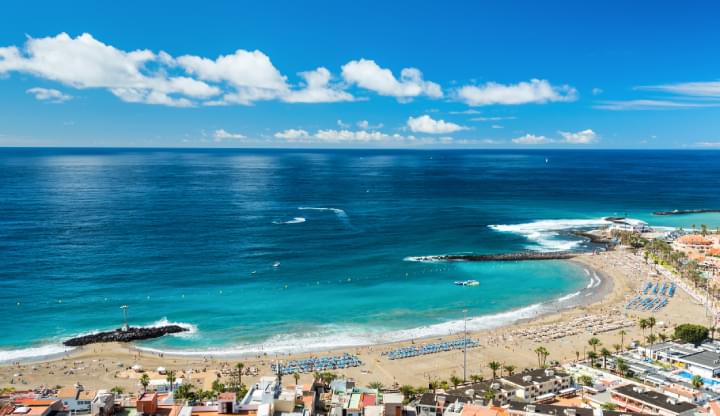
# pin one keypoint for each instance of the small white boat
(276, 264)
(467, 283)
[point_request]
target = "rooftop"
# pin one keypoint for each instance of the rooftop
(654, 398)
(528, 378)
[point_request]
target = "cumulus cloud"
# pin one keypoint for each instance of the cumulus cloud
(369, 75)
(292, 134)
(531, 139)
(426, 124)
(581, 137)
(84, 62)
(492, 118)
(144, 76)
(708, 144)
(223, 134)
(365, 125)
(536, 91)
(318, 89)
(49, 95)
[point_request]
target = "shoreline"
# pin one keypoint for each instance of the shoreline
(598, 288)
(103, 365)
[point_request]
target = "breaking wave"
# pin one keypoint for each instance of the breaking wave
(549, 235)
(43, 351)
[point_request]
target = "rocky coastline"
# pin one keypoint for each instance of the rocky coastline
(685, 212)
(128, 335)
(519, 256)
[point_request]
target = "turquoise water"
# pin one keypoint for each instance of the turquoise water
(192, 236)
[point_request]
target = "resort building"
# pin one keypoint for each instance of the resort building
(703, 360)
(639, 399)
(103, 404)
(147, 404)
(35, 407)
(694, 242)
(76, 399)
(527, 409)
(436, 404)
(539, 385)
(480, 391)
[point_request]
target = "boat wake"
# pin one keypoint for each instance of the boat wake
(296, 220)
(339, 213)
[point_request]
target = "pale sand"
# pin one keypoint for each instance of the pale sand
(623, 272)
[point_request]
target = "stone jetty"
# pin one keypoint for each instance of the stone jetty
(519, 256)
(686, 211)
(128, 335)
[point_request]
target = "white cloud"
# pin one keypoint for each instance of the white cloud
(223, 134)
(496, 126)
(49, 94)
(492, 118)
(365, 125)
(597, 91)
(84, 62)
(581, 137)
(468, 111)
(531, 139)
(318, 89)
(369, 75)
(348, 135)
(699, 89)
(650, 105)
(536, 91)
(708, 144)
(292, 134)
(426, 124)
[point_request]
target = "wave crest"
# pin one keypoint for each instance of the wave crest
(546, 235)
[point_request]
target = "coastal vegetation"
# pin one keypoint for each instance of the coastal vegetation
(691, 333)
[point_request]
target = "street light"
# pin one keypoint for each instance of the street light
(125, 316)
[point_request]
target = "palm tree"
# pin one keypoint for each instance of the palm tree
(542, 354)
(239, 367)
(662, 337)
(703, 229)
(476, 378)
(509, 369)
(651, 339)
(455, 380)
(145, 381)
(592, 355)
(407, 391)
(622, 338)
(617, 347)
(296, 376)
(605, 353)
(621, 367)
(489, 395)
(375, 385)
(577, 355)
(697, 382)
(651, 323)
(170, 378)
(643, 323)
(494, 366)
(594, 343)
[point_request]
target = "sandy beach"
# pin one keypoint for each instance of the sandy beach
(593, 310)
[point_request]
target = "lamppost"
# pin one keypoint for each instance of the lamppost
(465, 346)
(125, 316)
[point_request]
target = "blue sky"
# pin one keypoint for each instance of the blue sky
(606, 74)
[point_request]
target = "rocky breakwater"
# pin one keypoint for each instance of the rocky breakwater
(127, 335)
(521, 256)
(686, 212)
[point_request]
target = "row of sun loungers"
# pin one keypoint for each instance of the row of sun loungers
(310, 365)
(414, 351)
(592, 324)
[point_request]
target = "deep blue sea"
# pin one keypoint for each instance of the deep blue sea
(280, 250)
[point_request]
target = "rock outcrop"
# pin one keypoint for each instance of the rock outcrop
(131, 334)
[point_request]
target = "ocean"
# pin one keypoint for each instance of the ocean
(266, 251)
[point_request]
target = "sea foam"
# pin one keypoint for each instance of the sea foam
(43, 351)
(546, 234)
